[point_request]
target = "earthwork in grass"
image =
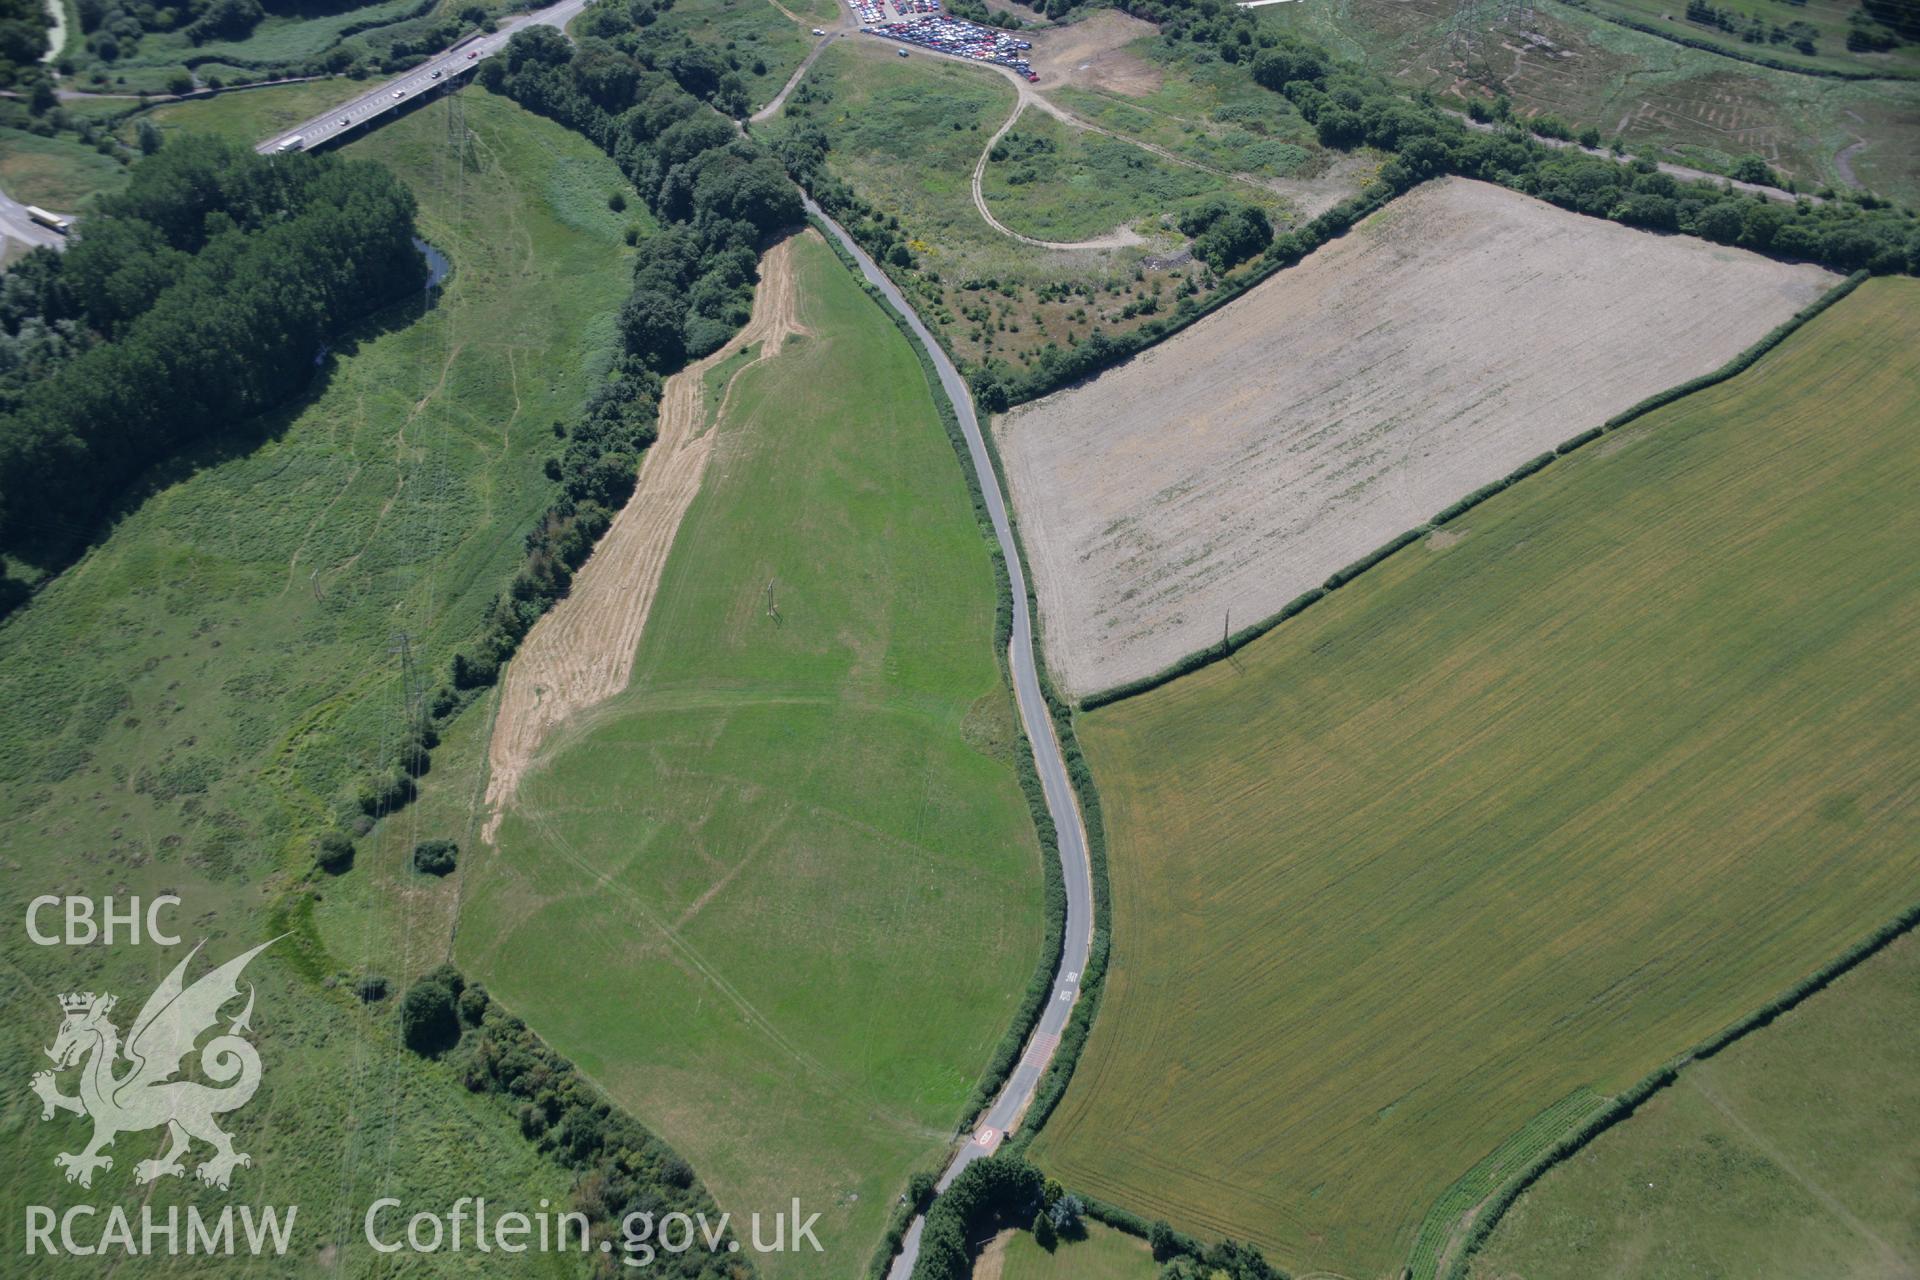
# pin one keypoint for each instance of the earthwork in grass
(772, 897)
(1515, 817)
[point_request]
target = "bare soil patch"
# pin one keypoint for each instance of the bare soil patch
(581, 652)
(1453, 335)
(1093, 54)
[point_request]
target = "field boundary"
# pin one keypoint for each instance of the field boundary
(1472, 1188)
(1488, 1213)
(1341, 577)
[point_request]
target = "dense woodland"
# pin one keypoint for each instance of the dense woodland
(23, 37)
(195, 299)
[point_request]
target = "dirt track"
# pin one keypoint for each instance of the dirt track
(1457, 333)
(581, 653)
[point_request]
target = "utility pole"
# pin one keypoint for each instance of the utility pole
(403, 645)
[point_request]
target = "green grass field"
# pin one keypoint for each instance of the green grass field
(1694, 106)
(773, 897)
(1533, 806)
(250, 115)
(1103, 1254)
(905, 134)
(1208, 111)
(60, 173)
(186, 704)
(1055, 182)
(1789, 1154)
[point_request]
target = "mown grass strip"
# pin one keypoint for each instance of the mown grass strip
(1477, 1183)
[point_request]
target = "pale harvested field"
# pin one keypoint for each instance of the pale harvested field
(581, 652)
(1450, 337)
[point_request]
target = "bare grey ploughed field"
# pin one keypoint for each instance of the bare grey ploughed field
(1453, 335)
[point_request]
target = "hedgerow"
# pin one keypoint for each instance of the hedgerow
(1629, 1100)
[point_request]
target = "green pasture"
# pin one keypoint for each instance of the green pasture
(1054, 182)
(1100, 1254)
(773, 897)
(1528, 809)
(1789, 1154)
(189, 702)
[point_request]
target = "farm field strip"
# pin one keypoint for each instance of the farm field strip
(791, 865)
(1526, 810)
(1458, 332)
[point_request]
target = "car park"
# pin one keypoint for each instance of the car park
(960, 39)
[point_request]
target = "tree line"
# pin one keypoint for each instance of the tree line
(1349, 107)
(195, 299)
(619, 1166)
(719, 198)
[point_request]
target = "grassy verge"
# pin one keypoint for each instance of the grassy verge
(59, 173)
(1680, 639)
(249, 115)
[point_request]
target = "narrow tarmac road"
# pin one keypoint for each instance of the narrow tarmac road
(16, 224)
(1007, 1108)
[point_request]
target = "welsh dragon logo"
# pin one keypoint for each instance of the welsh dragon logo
(145, 1095)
